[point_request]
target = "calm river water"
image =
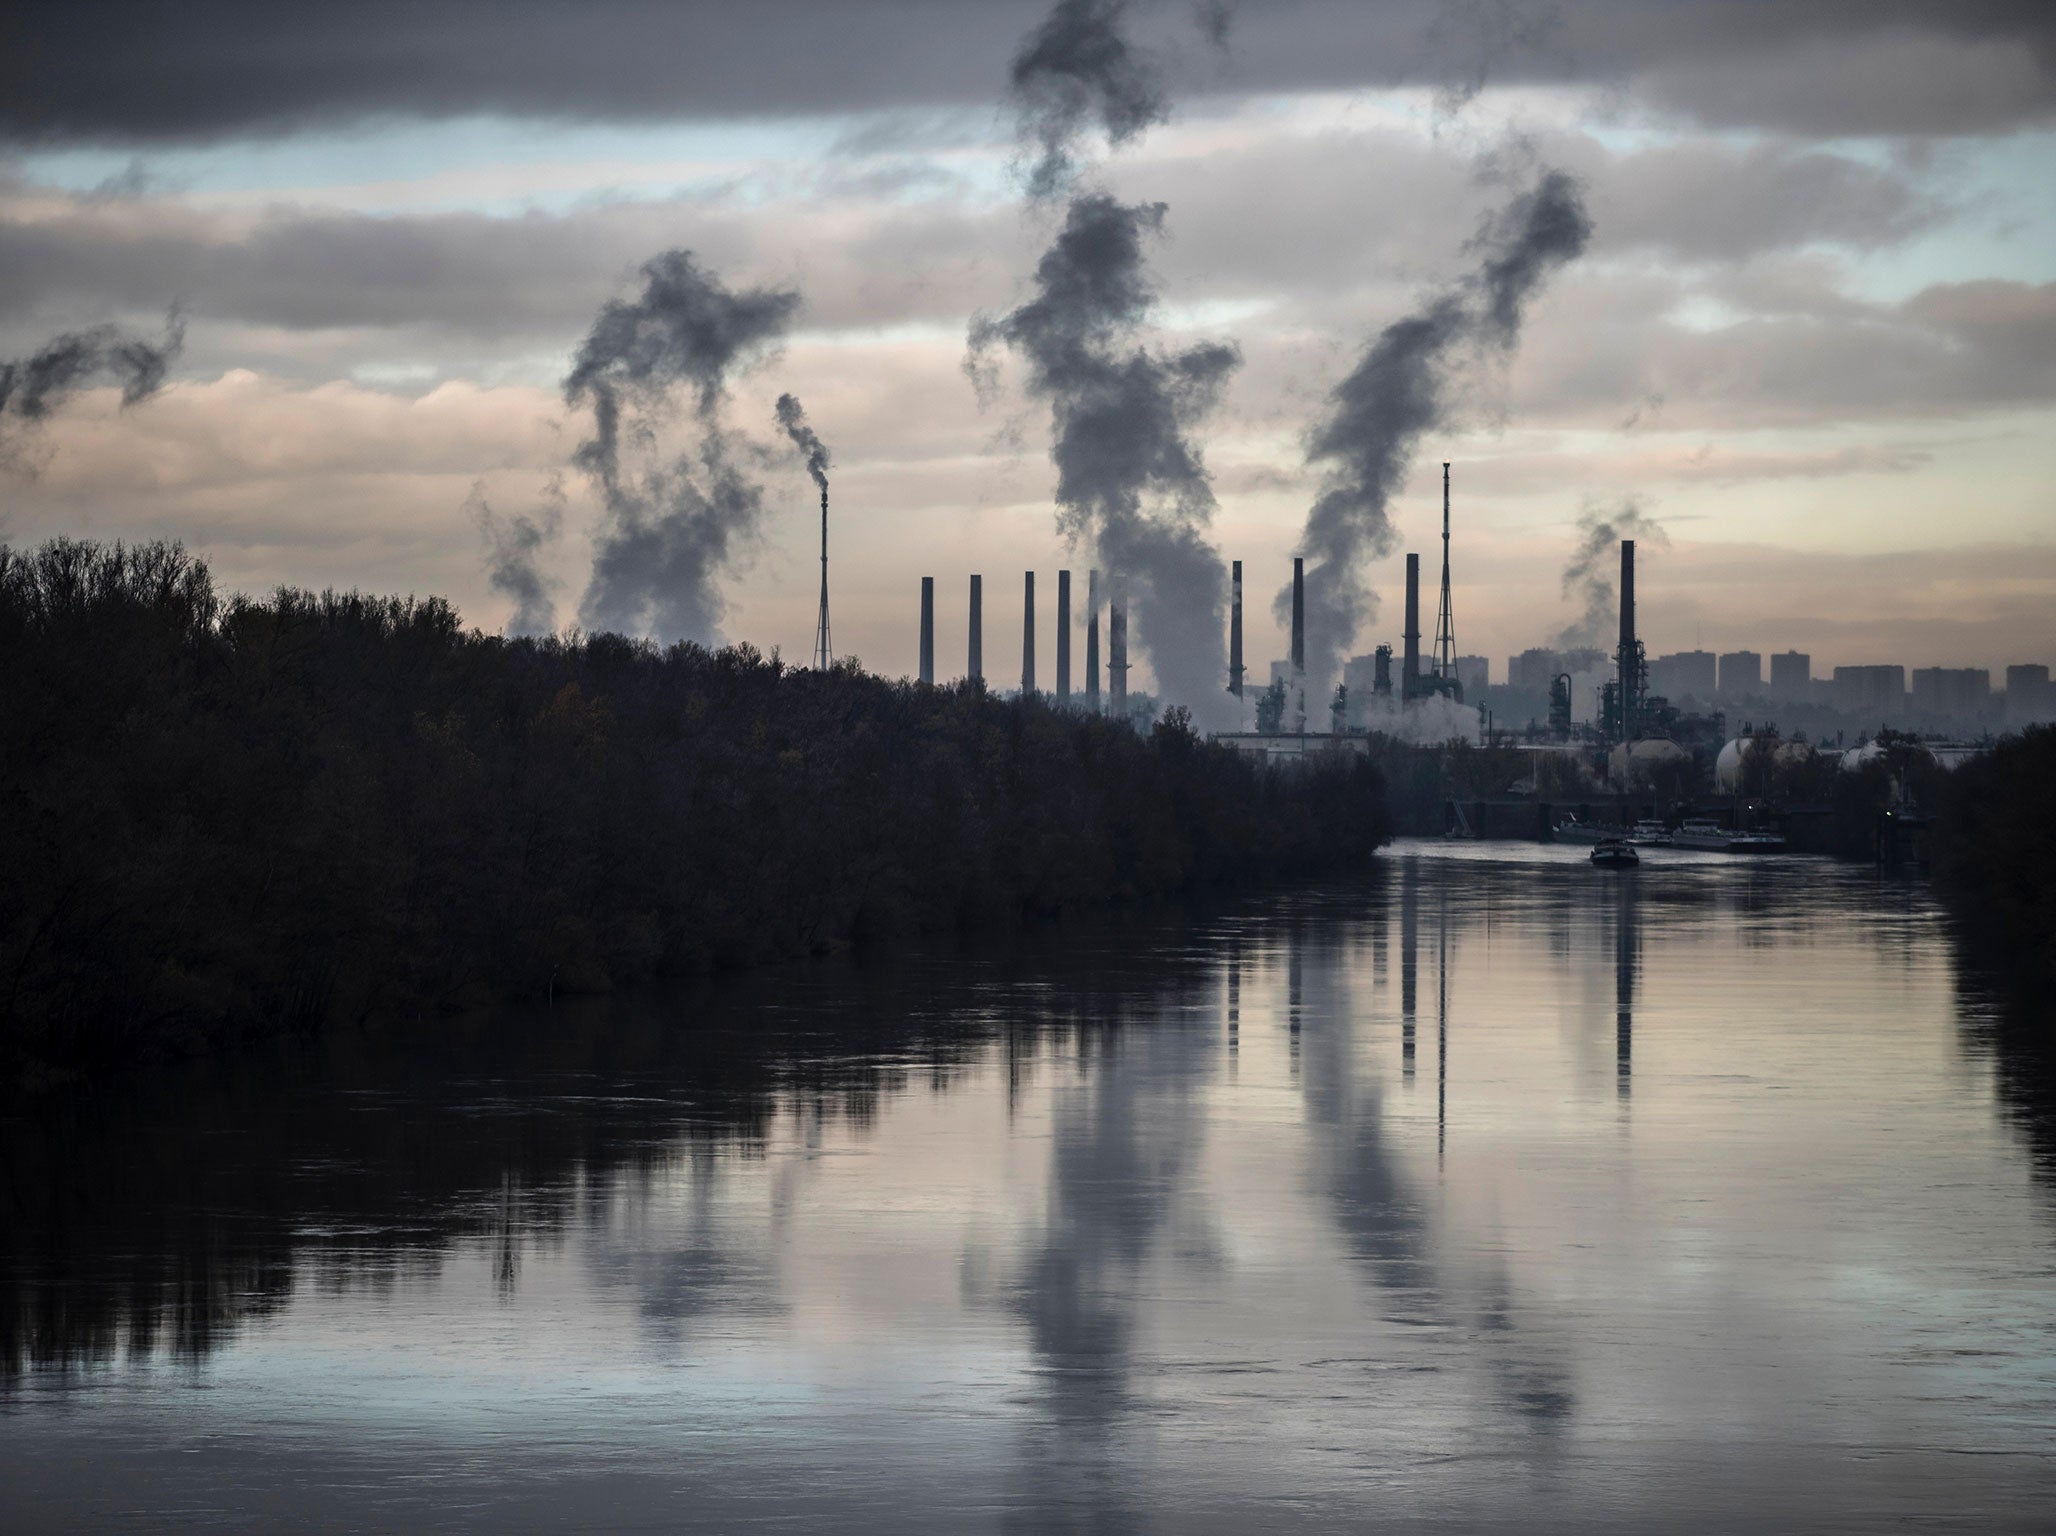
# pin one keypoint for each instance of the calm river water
(1494, 1192)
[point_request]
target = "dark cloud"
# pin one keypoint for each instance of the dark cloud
(672, 525)
(138, 71)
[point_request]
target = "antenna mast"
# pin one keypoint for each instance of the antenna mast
(1445, 625)
(824, 654)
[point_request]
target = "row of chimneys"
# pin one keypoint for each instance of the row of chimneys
(1117, 633)
(1117, 636)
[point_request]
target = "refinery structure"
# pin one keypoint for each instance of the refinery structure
(1587, 722)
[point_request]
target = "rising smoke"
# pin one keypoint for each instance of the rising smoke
(32, 388)
(1078, 67)
(1399, 390)
(670, 528)
(1588, 578)
(812, 449)
(514, 550)
(1131, 483)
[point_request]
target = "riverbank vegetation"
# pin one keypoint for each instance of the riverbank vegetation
(230, 815)
(1995, 848)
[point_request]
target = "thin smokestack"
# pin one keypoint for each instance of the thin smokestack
(1299, 643)
(1117, 655)
(928, 629)
(1410, 666)
(975, 671)
(1063, 635)
(1235, 634)
(1092, 639)
(1627, 651)
(1298, 615)
(1027, 633)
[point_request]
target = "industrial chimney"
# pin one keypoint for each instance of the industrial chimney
(1063, 636)
(928, 629)
(1235, 636)
(1410, 663)
(976, 670)
(1092, 640)
(1631, 704)
(1299, 644)
(1381, 678)
(1117, 655)
(1027, 633)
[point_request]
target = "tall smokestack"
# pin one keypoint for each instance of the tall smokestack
(1445, 619)
(976, 670)
(1630, 705)
(1299, 643)
(1063, 635)
(1117, 655)
(1027, 633)
(928, 629)
(1235, 636)
(1092, 639)
(1410, 665)
(824, 653)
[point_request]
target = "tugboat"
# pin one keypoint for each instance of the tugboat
(1615, 853)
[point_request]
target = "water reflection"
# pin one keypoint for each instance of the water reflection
(1120, 1226)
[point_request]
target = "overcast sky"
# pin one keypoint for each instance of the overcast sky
(1814, 335)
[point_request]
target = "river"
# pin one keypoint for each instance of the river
(1489, 1192)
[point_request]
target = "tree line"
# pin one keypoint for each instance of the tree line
(228, 815)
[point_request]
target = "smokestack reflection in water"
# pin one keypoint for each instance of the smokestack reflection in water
(1409, 891)
(1625, 939)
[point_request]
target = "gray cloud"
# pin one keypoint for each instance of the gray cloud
(673, 527)
(140, 71)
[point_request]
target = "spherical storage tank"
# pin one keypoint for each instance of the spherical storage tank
(1727, 768)
(1635, 764)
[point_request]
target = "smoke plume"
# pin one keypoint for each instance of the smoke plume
(514, 548)
(32, 388)
(1130, 480)
(672, 528)
(1588, 578)
(1131, 483)
(804, 438)
(1399, 390)
(1076, 67)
